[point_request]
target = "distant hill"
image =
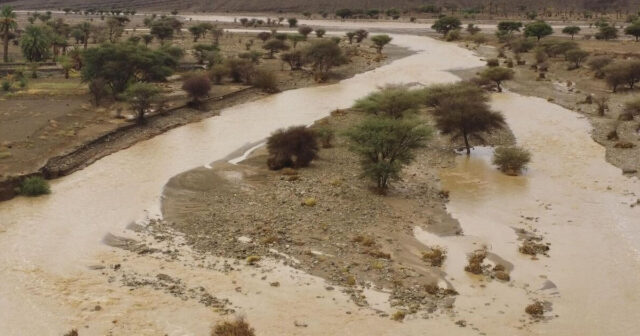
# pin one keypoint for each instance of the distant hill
(512, 6)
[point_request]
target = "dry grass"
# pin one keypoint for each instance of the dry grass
(475, 262)
(530, 247)
(239, 327)
(535, 309)
(435, 256)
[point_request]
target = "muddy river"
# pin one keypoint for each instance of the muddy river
(52, 256)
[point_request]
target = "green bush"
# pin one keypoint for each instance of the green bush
(6, 86)
(511, 160)
(493, 62)
(34, 186)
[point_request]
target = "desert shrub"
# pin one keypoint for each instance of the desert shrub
(535, 309)
(627, 72)
(540, 55)
(6, 86)
(607, 32)
(436, 95)
(326, 136)
(453, 35)
(475, 261)
(240, 70)
(323, 55)
(632, 107)
(140, 96)
(294, 147)
(385, 146)
(493, 62)
(602, 104)
(435, 256)
(294, 58)
(218, 72)
(478, 39)
(265, 81)
(198, 87)
(98, 88)
(509, 63)
(598, 63)
(34, 186)
(577, 56)
(391, 101)
(522, 45)
(239, 327)
(511, 160)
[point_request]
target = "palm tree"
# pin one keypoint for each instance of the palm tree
(7, 24)
(85, 28)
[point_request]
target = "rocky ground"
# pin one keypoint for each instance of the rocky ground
(325, 219)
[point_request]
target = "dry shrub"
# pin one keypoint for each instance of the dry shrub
(197, 86)
(530, 247)
(239, 327)
(367, 241)
(624, 145)
(475, 262)
(295, 147)
(434, 255)
(399, 316)
(535, 309)
(265, 81)
(73, 332)
(379, 254)
(493, 62)
(326, 136)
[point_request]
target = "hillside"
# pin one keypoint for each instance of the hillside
(327, 5)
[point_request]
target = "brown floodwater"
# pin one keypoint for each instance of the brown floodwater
(49, 243)
(574, 199)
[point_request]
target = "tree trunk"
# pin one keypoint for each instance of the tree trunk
(86, 41)
(6, 46)
(466, 142)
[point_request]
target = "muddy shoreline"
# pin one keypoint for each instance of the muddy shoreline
(125, 136)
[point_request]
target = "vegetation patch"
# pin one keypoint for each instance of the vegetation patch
(34, 186)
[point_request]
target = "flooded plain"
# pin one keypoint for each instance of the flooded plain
(53, 257)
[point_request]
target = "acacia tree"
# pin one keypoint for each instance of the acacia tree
(633, 30)
(446, 24)
(264, 36)
(323, 55)
(577, 56)
(571, 30)
(8, 23)
(350, 36)
(497, 75)
(385, 146)
(538, 29)
(380, 41)
(140, 96)
(463, 117)
(274, 46)
(305, 31)
(123, 63)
